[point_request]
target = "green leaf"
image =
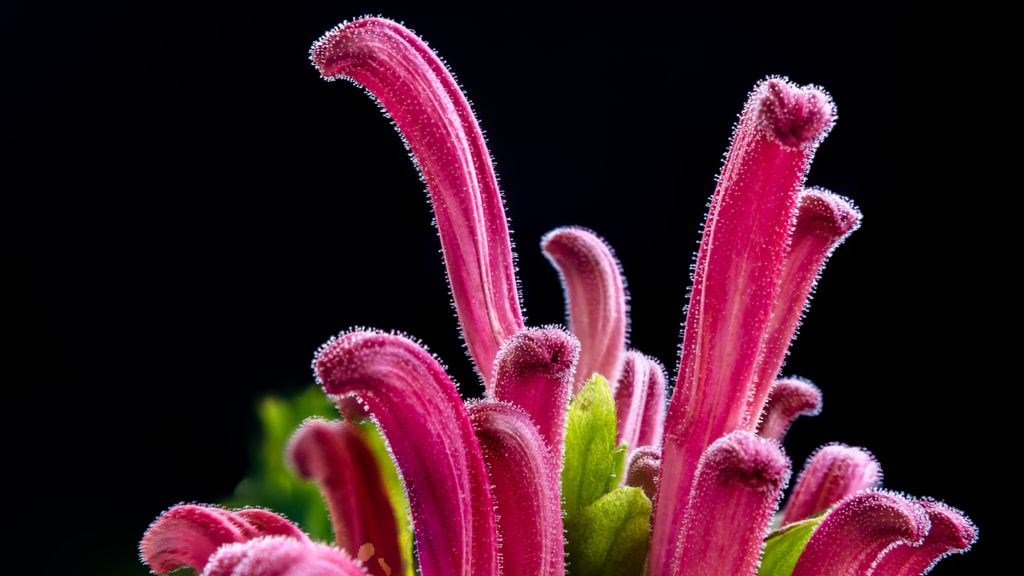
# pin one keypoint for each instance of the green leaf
(618, 466)
(783, 547)
(589, 449)
(615, 534)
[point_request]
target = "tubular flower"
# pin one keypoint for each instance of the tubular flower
(574, 463)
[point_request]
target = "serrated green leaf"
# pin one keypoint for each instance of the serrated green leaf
(614, 537)
(783, 547)
(589, 449)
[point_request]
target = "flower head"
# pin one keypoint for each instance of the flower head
(573, 462)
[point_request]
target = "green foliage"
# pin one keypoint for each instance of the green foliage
(615, 534)
(607, 527)
(783, 547)
(270, 484)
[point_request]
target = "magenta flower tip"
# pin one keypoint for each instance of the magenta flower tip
(797, 117)
(281, 556)
(951, 532)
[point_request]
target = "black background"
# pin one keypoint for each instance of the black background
(190, 211)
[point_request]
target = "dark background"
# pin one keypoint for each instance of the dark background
(190, 212)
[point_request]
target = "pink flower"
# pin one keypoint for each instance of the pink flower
(515, 484)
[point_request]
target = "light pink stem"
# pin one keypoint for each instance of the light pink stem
(595, 297)
(429, 433)
(857, 532)
(526, 490)
(534, 371)
(736, 278)
(432, 114)
(336, 456)
(833, 473)
(789, 398)
(823, 221)
(739, 480)
(640, 401)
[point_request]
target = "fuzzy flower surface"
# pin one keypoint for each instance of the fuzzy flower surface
(574, 462)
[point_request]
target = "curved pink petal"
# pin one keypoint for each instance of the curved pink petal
(640, 401)
(595, 296)
(858, 531)
(335, 455)
(526, 490)
(737, 273)
(426, 426)
(831, 474)
(823, 221)
(739, 480)
(789, 398)
(432, 114)
(534, 371)
(269, 524)
(951, 533)
(187, 534)
(281, 556)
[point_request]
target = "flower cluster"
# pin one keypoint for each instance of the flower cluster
(573, 463)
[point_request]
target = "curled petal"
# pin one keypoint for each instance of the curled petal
(831, 474)
(858, 531)
(951, 533)
(336, 456)
(429, 433)
(281, 556)
(432, 114)
(187, 534)
(789, 398)
(534, 371)
(643, 468)
(823, 221)
(739, 480)
(595, 295)
(736, 276)
(525, 487)
(640, 401)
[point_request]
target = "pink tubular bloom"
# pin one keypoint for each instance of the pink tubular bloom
(832, 474)
(854, 535)
(823, 221)
(426, 424)
(595, 296)
(432, 114)
(534, 371)
(525, 488)
(739, 480)
(640, 401)
(736, 278)
(335, 455)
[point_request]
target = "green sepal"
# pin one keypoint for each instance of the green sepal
(618, 467)
(589, 449)
(614, 536)
(783, 547)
